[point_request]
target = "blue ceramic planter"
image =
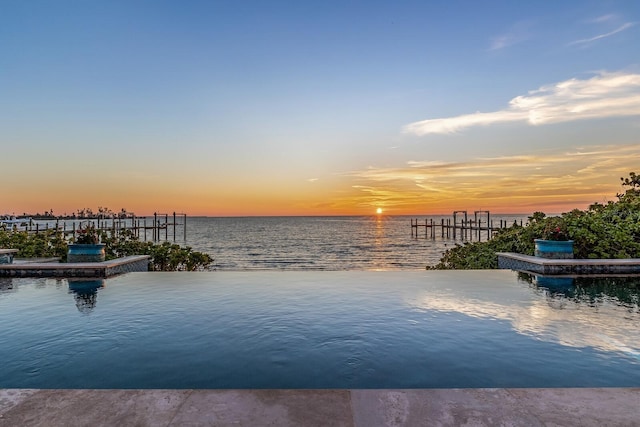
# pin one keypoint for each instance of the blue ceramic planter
(85, 285)
(557, 283)
(86, 253)
(554, 249)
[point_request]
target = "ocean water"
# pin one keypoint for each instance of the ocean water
(321, 243)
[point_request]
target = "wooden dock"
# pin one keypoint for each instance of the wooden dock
(459, 226)
(159, 226)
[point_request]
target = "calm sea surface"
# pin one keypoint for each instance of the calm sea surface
(321, 243)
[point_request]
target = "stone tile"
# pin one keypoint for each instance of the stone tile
(438, 408)
(12, 397)
(133, 263)
(359, 408)
(582, 407)
(52, 408)
(497, 407)
(280, 408)
(520, 262)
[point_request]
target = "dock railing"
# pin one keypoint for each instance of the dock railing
(459, 226)
(143, 227)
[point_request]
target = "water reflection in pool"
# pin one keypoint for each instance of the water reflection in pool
(85, 293)
(319, 330)
(579, 312)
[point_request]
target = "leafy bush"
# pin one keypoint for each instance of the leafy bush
(165, 256)
(45, 244)
(88, 235)
(555, 228)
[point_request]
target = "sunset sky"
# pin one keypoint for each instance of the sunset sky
(227, 108)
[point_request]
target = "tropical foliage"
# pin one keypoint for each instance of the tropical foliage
(44, 244)
(555, 228)
(610, 230)
(165, 256)
(87, 235)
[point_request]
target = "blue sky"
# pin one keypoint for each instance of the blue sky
(283, 107)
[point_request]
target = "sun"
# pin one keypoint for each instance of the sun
(379, 211)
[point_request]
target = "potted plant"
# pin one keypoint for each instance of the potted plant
(554, 242)
(86, 246)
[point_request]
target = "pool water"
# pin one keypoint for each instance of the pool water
(351, 329)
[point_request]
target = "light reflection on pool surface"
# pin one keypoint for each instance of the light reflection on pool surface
(317, 330)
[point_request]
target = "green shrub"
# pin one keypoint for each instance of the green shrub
(165, 256)
(45, 244)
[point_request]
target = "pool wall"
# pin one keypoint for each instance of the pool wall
(519, 262)
(130, 264)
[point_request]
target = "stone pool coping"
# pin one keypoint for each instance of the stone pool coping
(357, 408)
(520, 262)
(76, 269)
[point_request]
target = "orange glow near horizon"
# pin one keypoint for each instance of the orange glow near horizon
(552, 183)
(397, 202)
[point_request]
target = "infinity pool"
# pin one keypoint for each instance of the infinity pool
(349, 329)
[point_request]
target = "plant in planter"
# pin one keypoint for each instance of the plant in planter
(554, 242)
(87, 236)
(555, 229)
(86, 247)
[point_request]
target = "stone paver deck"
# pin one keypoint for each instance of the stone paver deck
(76, 269)
(357, 408)
(520, 262)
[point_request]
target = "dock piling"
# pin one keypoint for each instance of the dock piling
(465, 228)
(137, 226)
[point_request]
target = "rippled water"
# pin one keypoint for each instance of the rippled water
(324, 329)
(321, 243)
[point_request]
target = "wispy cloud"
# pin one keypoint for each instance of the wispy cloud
(604, 95)
(550, 181)
(518, 33)
(604, 18)
(502, 42)
(621, 28)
